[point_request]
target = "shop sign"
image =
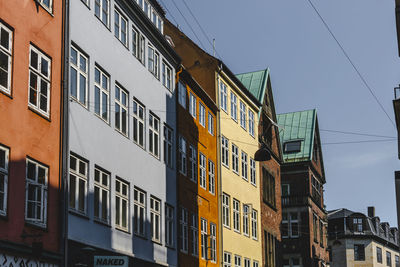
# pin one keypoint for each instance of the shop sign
(111, 261)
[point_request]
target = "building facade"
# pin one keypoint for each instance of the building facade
(358, 240)
(197, 174)
(30, 149)
(259, 85)
(122, 133)
(304, 221)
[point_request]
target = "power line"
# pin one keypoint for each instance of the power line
(176, 22)
(350, 61)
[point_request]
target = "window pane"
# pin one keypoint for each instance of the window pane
(74, 82)
(81, 200)
(4, 39)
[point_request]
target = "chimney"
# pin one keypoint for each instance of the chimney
(371, 212)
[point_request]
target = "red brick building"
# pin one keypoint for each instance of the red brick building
(304, 218)
(31, 46)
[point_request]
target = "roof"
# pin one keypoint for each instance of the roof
(339, 213)
(299, 125)
(255, 82)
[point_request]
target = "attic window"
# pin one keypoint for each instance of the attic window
(292, 146)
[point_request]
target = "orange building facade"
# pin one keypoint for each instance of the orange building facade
(30, 104)
(197, 174)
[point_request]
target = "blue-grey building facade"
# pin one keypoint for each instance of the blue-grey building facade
(121, 134)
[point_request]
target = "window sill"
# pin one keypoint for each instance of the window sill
(79, 214)
(39, 226)
(158, 242)
(101, 118)
(107, 224)
(86, 4)
(105, 25)
(170, 246)
(34, 110)
(270, 205)
(226, 166)
(121, 133)
(236, 231)
(73, 99)
(6, 93)
(227, 227)
(126, 231)
(45, 8)
(246, 179)
(141, 236)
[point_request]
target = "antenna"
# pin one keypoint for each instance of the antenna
(213, 47)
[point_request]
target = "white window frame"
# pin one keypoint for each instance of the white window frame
(155, 219)
(192, 163)
(8, 51)
(225, 151)
(213, 242)
(192, 105)
(233, 106)
(139, 203)
(253, 172)
(49, 7)
(103, 10)
(182, 155)
(167, 76)
(182, 93)
(184, 230)
(235, 159)
(210, 123)
(81, 67)
(254, 224)
(251, 123)
(137, 122)
(122, 196)
(242, 115)
(226, 210)
(154, 135)
(255, 263)
(42, 187)
(246, 221)
(168, 146)
(194, 233)
(227, 259)
(223, 95)
(4, 173)
(169, 225)
(135, 42)
(121, 107)
(211, 176)
(102, 91)
(80, 173)
(236, 215)
(246, 262)
(245, 169)
(41, 78)
(119, 31)
(204, 239)
(238, 261)
(202, 115)
(105, 218)
(202, 171)
(153, 61)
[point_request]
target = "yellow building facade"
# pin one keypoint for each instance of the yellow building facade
(239, 174)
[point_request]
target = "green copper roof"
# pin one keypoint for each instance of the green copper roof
(298, 126)
(255, 82)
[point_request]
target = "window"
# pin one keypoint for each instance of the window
(235, 159)
(213, 242)
(226, 210)
(255, 263)
(169, 225)
(122, 216)
(139, 209)
(315, 227)
(253, 177)
(244, 166)
(78, 177)
(154, 135)
(138, 123)
(238, 261)
(192, 105)
(270, 243)
(227, 259)
(225, 151)
(246, 262)
(379, 254)
(210, 123)
(246, 212)
(285, 190)
(192, 163)
(233, 106)
(4, 152)
(168, 136)
(182, 155)
(121, 110)
(321, 233)
(359, 252)
(153, 61)
(155, 219)
(183, 233)
(254, 225)
(101, 10)
(194, 233)
(204, 234)
(202, 115)
(268, 188)
(121, 28)
(182, 94)
(211, 177)
(79, 76)
(36, 193)
(236, 215)
(39, 81)
(242, 115)
(101, 93)
(47, 4)
(135, 42)
(396, 259)
(316, 191)
(167, 76)
(101, 195)
(293, 262)
(251, 123)
(6, 41)
(203, 177)
(142, 49)
(292, 146)
(388, 258)
(290, 225)
(358, 224)
(223, 96)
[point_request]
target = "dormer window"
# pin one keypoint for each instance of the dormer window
(292, 146)
(357, 225)
(151, 13)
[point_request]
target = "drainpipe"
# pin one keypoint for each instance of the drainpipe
(218, 134)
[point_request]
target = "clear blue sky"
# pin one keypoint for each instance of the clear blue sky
(308, 71)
